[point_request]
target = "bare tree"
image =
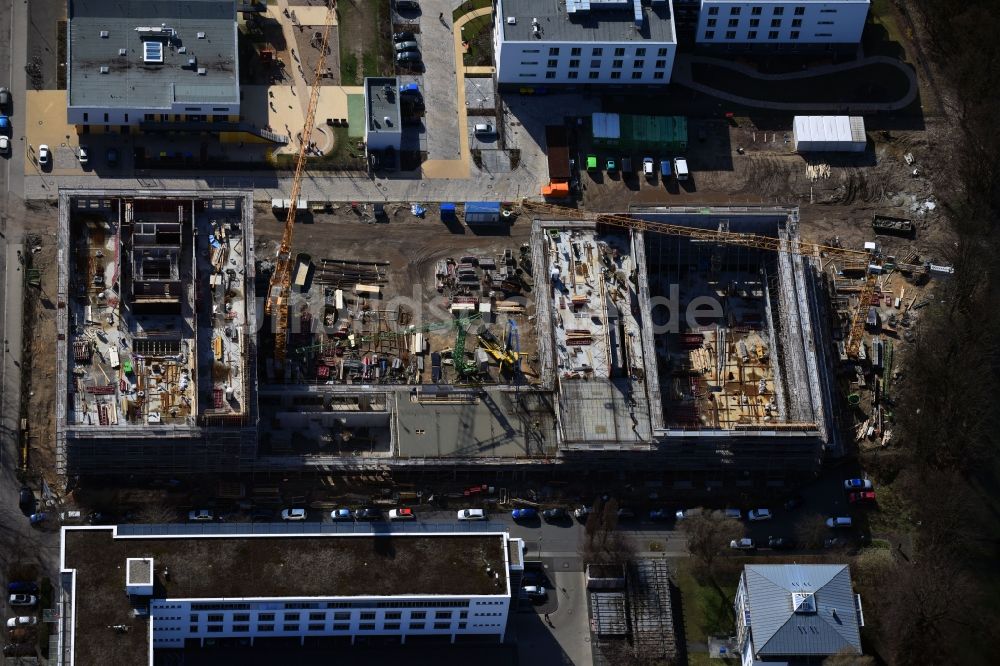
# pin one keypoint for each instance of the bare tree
(708, 535)
(602, 542)
(811, 531)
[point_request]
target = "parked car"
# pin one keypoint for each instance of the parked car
(407, 4)
(403, 513)
(857, 484)
(4, 144)
(759, 514)
(865, 496)
(665, 169)
(483, 129)
(4, 124)
(681, 168)
(4, 100)
(625, 513)
(687, 513)
(471, 514)
(201, 515)
(742, 544)
(648, 168)
(583, 511)
(526, 513)
(340, 514)
(368, 513)
(26, 499)
(834, 542)
(44, 156)
(22, 621)
(112, 157)
(736, 514)
(591, 162)
(403, 36)
(83, 154)
(555, 514)
(22, 600)
(534, 591)
(780, 543)
(22, 586)
(293, 514)
(39, 518)
(793, 502)
(409, 89)
(660, 515)
(610, 166)
(408, 57)
(839, 522)
(406, 46)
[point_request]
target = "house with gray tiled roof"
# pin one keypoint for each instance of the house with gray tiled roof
(796, 613)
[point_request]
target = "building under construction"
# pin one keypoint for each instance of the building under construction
(685, 359)
(156, 333)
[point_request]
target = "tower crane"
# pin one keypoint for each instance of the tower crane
(279, 288)
(758, 241)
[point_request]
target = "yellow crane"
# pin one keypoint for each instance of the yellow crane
(759, 241)
(279, 288)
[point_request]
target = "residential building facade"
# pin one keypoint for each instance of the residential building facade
(565, 43)
(796, 613)
(133, 63)
(781, 25)
(185, 591)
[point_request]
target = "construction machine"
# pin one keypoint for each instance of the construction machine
(276, 305)
(872, 260)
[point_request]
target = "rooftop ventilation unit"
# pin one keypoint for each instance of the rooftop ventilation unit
(105, 69)
(148, 32)
(122, 52)
(104, 34)
(152, 52)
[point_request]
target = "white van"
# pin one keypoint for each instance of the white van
(483, 129)
(681, 168)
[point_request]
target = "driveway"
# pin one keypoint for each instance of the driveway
(438, 80)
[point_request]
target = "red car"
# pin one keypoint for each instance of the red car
(862, 497)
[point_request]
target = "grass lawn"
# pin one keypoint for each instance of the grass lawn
(708, 610)
(868, 83)
(343, 156)
(479, 34)
(365, 40)
(469, 6)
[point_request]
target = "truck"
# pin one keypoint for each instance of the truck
(113, 357)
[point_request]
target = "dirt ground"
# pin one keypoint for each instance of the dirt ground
(38, 361)
(837, 202)
(412, 247)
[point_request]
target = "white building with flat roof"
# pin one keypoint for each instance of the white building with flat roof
(128, 591)
(540, 43)
(781, 24)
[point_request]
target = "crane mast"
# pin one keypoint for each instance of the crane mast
(279, 288)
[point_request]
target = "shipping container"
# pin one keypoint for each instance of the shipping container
(666, 133)
(557, 142)
(482, 212)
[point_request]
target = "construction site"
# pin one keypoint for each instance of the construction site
(698, 343)
(156, 338)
